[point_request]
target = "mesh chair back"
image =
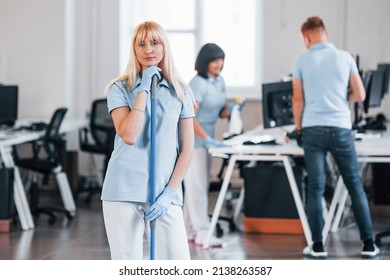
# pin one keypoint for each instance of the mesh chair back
(53, 128)
(101, 122)
(52, 139)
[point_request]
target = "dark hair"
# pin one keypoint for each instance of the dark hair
(313, 23)
(207, 53)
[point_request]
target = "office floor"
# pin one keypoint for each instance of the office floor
(84, 239)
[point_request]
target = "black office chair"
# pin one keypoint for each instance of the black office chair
(215, 186)
(379, 236)
(48, 154)
(98, 138)
(381, 193)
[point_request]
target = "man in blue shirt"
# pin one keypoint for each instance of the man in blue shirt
(322, 116)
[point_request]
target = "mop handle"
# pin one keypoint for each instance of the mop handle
(153, 161)
(153, 141)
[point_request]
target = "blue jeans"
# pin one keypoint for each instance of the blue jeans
(317, 141)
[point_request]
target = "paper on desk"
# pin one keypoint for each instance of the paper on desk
(368, 135)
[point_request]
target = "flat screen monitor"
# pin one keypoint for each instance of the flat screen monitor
(8, 105)
(385, 67)
(277, 109)
(374, 89)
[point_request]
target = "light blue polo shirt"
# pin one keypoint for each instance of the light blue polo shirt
(211, 96)
(325, 71)
(127, 177)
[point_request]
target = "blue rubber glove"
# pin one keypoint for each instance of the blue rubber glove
(241, 105)
(161, 206)
(147, 75)
(211, 142)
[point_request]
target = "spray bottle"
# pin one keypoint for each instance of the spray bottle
(235, 123)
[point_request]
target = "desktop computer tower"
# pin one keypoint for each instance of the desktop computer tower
(269, 206)
(6, 192)
(268, 193)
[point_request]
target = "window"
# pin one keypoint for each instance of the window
(231, 24)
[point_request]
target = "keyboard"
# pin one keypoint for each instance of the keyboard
(251, 140)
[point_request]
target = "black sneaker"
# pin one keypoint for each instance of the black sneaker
(369, 251)
(318, 254)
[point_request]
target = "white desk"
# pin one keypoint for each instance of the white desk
(368, 150)
(11, 138)
(280, 152)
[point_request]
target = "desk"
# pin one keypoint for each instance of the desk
(11, 138)
(368, 150)
(281, 152)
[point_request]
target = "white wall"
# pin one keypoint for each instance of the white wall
(32, 54)
(97, 48)
(281, 35)
(369, 31)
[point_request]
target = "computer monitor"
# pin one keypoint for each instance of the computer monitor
(277, 109)
(374, 85)
(8, 105)
(385, 67)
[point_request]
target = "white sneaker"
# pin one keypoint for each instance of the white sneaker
(369, 252)
(309, 252)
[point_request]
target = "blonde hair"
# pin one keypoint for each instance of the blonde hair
(146, 31)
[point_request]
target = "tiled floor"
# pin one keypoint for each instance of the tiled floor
(84, 239)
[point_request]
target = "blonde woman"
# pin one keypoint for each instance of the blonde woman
(125, 193)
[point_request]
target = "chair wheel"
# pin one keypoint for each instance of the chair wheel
(52, 220)
(69, 216)
(88, 200)
(232, 227)
(218, 231)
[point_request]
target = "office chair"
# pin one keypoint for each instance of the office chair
(381, 191)
(48, 154)
(381, 235)
(215, 186)
(98, 138)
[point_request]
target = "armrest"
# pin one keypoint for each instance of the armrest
(54, 147)
(35, 149)
(109, 134)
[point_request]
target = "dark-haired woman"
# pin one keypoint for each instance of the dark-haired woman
(209, 90)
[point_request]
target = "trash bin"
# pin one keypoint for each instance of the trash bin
(6, 192)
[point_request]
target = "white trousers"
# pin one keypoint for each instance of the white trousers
(128, 233)
(196, 188)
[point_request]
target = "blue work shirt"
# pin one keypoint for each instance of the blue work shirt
(127, 176)
(325, 72)
(211, 97)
